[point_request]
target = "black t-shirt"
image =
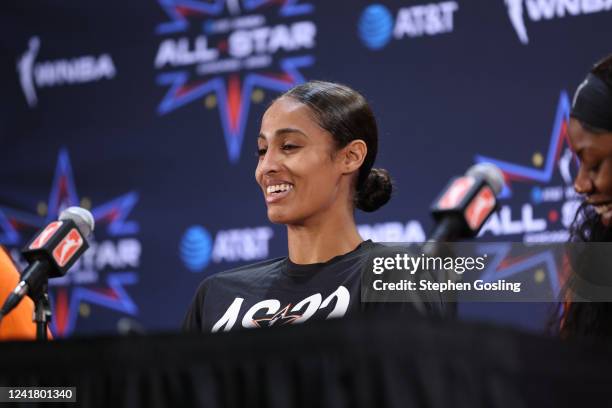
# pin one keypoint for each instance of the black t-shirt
(278, 292)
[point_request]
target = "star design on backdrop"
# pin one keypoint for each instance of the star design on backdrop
(66, 299)
(504, 266)
(558, 139)
(179, 11)
(232, 91)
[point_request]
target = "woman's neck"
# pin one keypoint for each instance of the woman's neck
(321, 241)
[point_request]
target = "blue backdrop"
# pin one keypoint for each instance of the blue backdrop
(146, 113)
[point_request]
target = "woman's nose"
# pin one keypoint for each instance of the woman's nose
(269, 163)
(583, 183)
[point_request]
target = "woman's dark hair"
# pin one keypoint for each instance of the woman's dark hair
(346, 115)
(587, 226)
(592, 129)
(593, 319)
(580, 319)
(603, 70)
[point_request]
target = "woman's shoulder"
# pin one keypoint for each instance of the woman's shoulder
(394, 247)
(248, 272)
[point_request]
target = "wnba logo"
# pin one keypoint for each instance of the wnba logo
(68, 247)
(60, 72)
(46, 234)
(480, 208)
(538, 10)
(456, 193)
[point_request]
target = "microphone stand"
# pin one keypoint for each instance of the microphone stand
(42, 310)
(440, 245)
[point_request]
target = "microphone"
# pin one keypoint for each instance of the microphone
(466, 203)
(51, 253)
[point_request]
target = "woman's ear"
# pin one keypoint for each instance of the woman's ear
(353, 155)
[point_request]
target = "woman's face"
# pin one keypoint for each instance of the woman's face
(297, 170)
(594, 178)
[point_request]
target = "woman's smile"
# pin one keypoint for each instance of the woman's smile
(276, 192)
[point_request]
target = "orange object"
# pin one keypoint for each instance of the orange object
(18, 324)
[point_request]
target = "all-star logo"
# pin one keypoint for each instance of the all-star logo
(282, 317)
(227, 52)
(543, 191)
(538, 10)
(100, 276)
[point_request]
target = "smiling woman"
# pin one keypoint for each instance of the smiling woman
(590, 136)
(316, 148)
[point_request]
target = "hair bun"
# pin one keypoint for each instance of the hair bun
(603, 70)
(375, 191)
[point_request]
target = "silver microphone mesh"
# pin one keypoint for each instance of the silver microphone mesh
(490, 172)
(81, 217)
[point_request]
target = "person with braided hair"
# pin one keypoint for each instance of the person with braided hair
(316, 149)
(590, 136)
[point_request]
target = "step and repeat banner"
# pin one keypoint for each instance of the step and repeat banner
(147, 113)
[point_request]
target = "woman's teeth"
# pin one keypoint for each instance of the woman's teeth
(602, 209)
(278, 188)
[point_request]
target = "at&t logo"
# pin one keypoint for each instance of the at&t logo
(198, 247)
(377, 25)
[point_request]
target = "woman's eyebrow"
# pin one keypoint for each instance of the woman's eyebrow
(282, 132)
